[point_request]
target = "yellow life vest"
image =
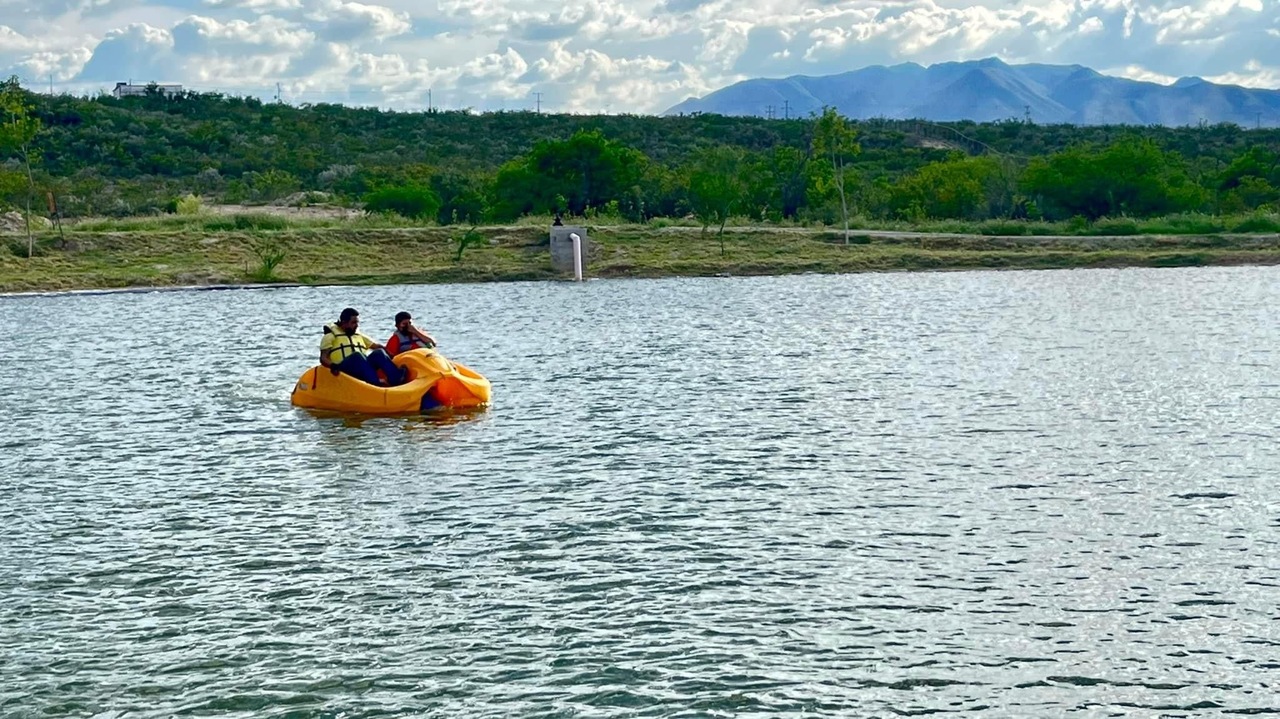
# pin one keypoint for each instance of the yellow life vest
(344, 345)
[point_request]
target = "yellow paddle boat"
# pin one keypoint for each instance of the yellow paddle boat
(433, 382)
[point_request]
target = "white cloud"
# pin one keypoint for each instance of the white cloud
(342, 21)
(347, 21)
(591, 55)
(723, 42)
(12, 41)
(591, 81)
(1141, 74)
(257, 5)
(60, 66)
(1092, 24)
(203, 34)
(138, 52)
(594, 20)
(1255, 75)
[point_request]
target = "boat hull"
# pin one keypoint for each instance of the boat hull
(434, 382)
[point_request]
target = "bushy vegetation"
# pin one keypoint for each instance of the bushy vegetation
(152, 155)
(410, 201)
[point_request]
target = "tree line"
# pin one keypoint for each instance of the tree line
(138, 155)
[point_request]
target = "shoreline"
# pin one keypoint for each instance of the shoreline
(147, 289)
(95, 263)
(151, 289)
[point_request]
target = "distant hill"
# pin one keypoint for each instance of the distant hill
(989, 91)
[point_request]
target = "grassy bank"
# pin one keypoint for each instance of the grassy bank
(229, 218)
(187, 251)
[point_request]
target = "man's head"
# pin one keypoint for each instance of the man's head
(403, 320)
(349, 320)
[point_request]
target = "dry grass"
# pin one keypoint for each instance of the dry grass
(342, 254)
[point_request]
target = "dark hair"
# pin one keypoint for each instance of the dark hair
(402, 316)
(347, 314)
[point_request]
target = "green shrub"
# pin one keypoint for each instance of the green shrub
(188, 205)
(219, 224)
(1003, 228)
(469, 238)
(1259, 223)
(260, 222)
(270, 254)
(1115, 226)
(1184, 224)
(411, 201)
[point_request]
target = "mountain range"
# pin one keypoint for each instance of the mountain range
(991, 90)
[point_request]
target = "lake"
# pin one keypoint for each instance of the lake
(997, 493)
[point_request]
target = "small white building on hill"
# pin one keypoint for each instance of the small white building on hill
(124, 89)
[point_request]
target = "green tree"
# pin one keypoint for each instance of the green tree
(586, 170)
(779, 188)
(462, 198)
(835, 141)
(19, 128)
(963, 188)
(1250, 181)
(1257, 162)
(1251, 193)
(1131, 176)
(719, 180)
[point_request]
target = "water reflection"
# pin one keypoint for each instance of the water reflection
(440, 417)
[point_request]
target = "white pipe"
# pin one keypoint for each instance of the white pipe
(577, 256)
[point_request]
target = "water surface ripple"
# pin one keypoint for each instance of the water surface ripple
(990, 493)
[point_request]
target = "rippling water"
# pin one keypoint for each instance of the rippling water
(1005, 494)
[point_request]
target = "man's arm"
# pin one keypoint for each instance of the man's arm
(326, 344)
(421, 335)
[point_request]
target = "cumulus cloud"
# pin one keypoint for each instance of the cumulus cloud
(342, 21)
(616, 55)
(257, 5)
(1254, 74)
(203, 35)
(1141, 74)
(12, 41)
(140, 52)
(1092, 24)
(591, 81)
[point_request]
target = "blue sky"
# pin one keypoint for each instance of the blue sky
(604, 55)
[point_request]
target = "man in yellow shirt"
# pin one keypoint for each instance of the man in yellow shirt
(343, 349)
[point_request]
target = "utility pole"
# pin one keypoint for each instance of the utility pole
(539, 105)
(1028, 109)
(786, 109)
(428, 99)
(768, 111)
(278, 94)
